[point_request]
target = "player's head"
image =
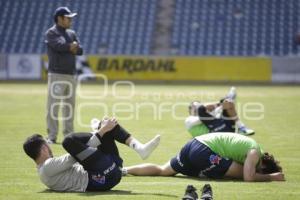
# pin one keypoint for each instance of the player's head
(269, 164)
(63, 16)
(35, 145)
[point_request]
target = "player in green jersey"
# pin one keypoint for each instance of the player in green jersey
(215, 117)
(217, 155)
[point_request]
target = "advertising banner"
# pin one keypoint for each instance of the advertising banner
(24, 66)
(183, 68)
(286, 70)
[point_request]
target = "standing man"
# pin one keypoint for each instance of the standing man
(63, 46)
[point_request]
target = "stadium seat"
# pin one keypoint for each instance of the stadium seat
(99, 23)
(200, 27)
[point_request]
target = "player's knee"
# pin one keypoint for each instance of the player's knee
(67, 141)
(202, 111)
(166, 170)
(160, 171)
(228, 105)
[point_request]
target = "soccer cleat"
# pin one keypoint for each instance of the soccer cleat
(231, 94)
(207, 193)
(149, 147)
(245, 131)
(190, 193)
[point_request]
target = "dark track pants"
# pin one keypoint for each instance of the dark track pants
(102, 163)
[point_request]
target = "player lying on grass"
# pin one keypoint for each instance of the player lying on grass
(93, 162)
(217, 155)
(215, 117)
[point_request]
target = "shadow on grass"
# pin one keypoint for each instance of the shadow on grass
(182, 177)
(207, 179)
(126, 192)
(57, 192)
(112, 192)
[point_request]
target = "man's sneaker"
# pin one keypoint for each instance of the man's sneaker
(245, 131)
(207, 193)
(49, 141)
(190, 193)
(231, 94)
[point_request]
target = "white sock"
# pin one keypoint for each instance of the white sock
(144, 150)
(124, 171)
(136, 145)
(231, 94)
(239, 123)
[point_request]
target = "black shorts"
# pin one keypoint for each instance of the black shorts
(107, 173)
(214, 124)
(196, 159)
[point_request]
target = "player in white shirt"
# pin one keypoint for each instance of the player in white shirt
(93, 162)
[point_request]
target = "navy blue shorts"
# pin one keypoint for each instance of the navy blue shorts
(216, 124)
(196, 159)
(106, 173)
(100, 182)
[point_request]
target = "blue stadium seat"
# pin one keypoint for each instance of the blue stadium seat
(99, 23)
(200, 27)
(236, 27)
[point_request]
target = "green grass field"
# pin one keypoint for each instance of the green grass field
(23, 109)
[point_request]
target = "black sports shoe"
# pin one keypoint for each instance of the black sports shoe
(207, 193)
(190, 193)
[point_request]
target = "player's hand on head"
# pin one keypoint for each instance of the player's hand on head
(278, 176)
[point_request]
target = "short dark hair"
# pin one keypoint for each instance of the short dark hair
(55, 18)
(32, 145)
(270, 164)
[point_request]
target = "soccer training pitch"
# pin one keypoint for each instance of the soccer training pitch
(145, 110)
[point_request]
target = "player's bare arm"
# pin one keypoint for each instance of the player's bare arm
(250, 173)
